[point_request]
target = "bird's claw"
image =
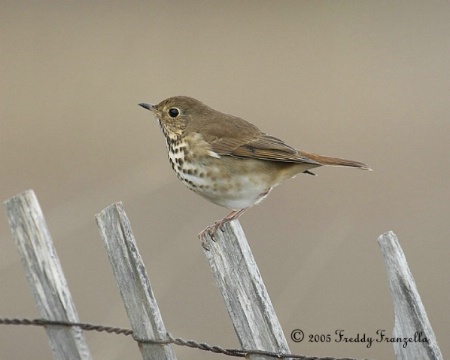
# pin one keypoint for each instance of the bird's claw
(204, 244)
(211, 231)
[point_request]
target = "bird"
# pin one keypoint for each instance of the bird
(228, 160)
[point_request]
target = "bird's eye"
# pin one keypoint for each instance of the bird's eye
(174, 112)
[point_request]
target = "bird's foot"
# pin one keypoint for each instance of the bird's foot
(212, 229)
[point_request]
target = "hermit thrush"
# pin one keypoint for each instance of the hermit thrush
(226, 159)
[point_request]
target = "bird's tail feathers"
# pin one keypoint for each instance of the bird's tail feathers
(326, 160)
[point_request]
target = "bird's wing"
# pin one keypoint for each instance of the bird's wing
(262, 146)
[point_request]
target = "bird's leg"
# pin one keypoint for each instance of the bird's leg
(211, 230)
(231, 216)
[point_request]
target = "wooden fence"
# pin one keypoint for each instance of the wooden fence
(235, 272)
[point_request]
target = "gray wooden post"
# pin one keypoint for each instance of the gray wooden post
(411, 319)
(45, 275)
(244, 292)
(133, 282)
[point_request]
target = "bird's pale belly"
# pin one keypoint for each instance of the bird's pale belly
(223, 186)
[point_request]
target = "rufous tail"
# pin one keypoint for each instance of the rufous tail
(326, 160)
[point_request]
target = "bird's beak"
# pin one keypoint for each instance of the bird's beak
(150, 107)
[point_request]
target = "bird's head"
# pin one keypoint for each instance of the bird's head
(176, 113)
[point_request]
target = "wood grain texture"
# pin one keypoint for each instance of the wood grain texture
(244, 292)
(45, 275)
(410, 316)
(134, 284)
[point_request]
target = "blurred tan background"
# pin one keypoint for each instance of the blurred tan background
(368, 81)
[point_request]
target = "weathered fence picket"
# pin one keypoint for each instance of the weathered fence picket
(45, 275)
(133, 282)
(410, 316)
(244, 292)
